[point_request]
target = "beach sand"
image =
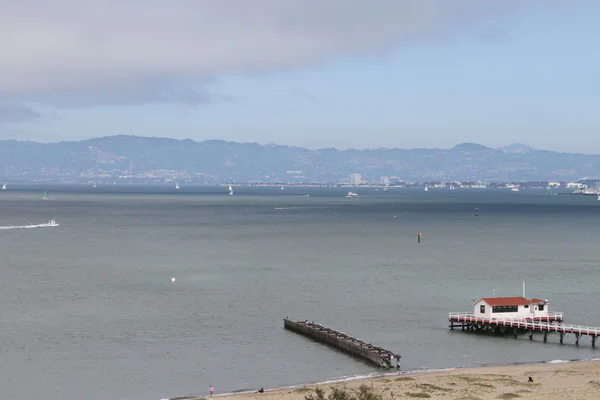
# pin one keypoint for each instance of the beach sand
(573, 380)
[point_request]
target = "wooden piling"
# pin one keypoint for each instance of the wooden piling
(376, 355)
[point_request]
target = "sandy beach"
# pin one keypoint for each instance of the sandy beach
(574, 380)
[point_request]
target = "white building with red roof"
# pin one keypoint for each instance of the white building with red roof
(511, 307)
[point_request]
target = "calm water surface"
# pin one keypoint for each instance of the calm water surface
(89, 309)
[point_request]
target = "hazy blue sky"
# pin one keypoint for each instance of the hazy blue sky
(340, 73)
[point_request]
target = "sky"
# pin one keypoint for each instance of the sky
(311, 73)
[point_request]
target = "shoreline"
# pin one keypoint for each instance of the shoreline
(554, 379)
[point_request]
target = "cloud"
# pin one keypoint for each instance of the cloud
(114, 51)
(17, 113)
(303, 95)
(188, 92)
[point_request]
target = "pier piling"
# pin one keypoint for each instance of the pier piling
(376, 355)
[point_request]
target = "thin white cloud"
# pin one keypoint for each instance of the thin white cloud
(102, 47)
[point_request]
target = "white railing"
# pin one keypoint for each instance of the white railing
(556, 316)
(524, 323)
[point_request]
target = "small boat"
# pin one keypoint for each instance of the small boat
(45, 196)
(4, 187)
(177, 186)
(452, 187)
(230, 190)
(94, 185)
(426, 189)
(352, 194)
(598, 196)
(53, 222)
(514, 189)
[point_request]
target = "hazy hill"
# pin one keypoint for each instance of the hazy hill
(517, 148)
(221, 161)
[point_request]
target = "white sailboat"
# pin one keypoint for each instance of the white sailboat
(598, 196)
(4, 187)
(452, 187)
(45, 196)
(177, 186)
(94, 185)
(230, 190)
(426, 188)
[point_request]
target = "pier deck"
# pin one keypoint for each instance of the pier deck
(376, 355)
(546, 325)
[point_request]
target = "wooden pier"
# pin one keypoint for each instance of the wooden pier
(515, 326)
(376, 355)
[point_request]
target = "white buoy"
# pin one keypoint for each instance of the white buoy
(172, 279)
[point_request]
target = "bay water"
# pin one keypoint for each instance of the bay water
(89, 308)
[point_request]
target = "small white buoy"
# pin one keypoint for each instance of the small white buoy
(172, 279)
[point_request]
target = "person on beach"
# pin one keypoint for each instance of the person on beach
(212, 389)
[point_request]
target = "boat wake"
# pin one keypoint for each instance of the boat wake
(50, 224)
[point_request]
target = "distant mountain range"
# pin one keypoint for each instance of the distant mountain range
(147, 159)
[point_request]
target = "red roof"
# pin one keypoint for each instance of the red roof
(536, 300)
(511, 301)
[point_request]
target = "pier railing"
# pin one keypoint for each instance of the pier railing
(470, 317)
(528, 325)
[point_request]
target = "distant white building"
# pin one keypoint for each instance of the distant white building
(554, 184)
(385, 180)
(511, 307)
(355, 179)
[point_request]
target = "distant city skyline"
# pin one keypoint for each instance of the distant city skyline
(364, 74)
